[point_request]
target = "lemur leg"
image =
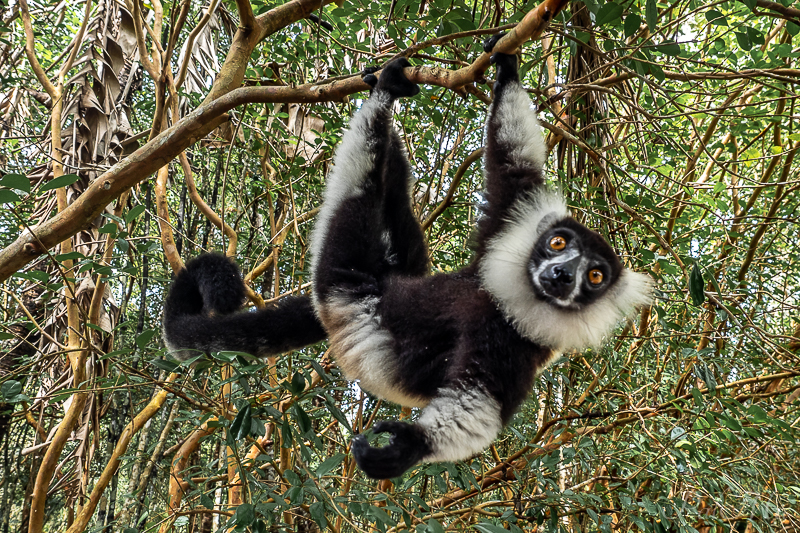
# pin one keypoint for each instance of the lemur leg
(513, 136)
(199, 314)
(515, 151)
(461, 421)
(367, 229)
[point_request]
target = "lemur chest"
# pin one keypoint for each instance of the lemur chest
(365, 350)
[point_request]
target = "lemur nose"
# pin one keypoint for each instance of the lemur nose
(562, 274)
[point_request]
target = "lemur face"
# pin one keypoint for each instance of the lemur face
(572, 266)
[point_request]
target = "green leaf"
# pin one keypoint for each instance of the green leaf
(380, 515)
(62, 181)
(696, 286)
(657, 72)
(16, 181)
(144, 338)
(716, 18)
(670, 48)
(163, 364)
(610, 12)
(435, 527)
(758, 415)
(632, 24)
(329, 464)
(651, 14)
(338, 414)
(206, 501)
(8, 196)
(705, 374)
(33, 275)
(302, 419)
(317, 512)
(133, 213)
(110, 228)
(792, 28)
(744, 41)
(245, 515)
(240, 428)
(298, 383)
(755, 36)
(10, 388)
(697, 396)
(70, 256)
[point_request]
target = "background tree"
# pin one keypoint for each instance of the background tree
(136, 135)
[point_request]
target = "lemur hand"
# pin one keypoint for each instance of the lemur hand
(507, 64)
(393, 80)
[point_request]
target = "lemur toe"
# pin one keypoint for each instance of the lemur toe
(393, 79)
(370, 79)
(489, 42)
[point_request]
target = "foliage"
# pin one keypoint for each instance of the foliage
(673, 129)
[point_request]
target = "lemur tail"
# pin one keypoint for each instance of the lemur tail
(199, 314)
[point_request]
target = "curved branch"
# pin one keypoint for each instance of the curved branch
(448, 199)
(168, 144)
(789, 12)
(205, 209)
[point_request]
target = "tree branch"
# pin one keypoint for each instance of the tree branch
(167, 145)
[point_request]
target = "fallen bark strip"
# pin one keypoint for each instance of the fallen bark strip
(167, 145)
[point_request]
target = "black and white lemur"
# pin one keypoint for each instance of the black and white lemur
(464, 346)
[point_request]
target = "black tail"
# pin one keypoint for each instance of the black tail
(199, 314)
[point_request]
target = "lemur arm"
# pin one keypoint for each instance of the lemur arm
(515, 151)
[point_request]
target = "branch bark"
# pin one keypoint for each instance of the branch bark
(167, 145)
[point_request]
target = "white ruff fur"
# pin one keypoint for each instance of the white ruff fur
(460, 423)
(353, 161)
(504, 272)
(364, 350)
(519, 130)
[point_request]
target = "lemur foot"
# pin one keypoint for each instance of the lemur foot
(393, 80)
(507, 64)
(210, 283)
(407, 447)
(489, 42)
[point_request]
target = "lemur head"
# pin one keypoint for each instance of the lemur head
(557, 281)
(572, 266)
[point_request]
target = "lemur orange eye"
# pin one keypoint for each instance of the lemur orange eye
(595, 276)
(558, 243)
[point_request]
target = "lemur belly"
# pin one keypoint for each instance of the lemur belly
(363, 349)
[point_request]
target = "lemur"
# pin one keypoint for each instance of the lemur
(463, 346)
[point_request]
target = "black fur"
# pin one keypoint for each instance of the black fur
(199, 314)
(408, 446)
(451, 343)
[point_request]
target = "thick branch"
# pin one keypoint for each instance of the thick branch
(167, 145)
(791, 12)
